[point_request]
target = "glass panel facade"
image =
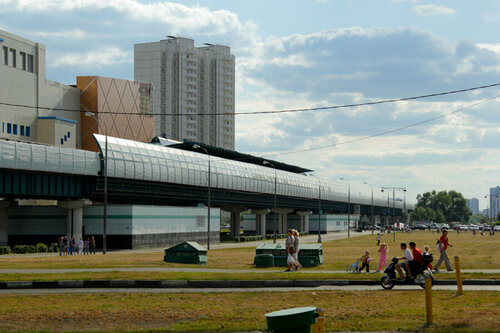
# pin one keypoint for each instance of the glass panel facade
(122, 107)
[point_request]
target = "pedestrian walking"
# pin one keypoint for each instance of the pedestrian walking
(80, 246)
(86, 245)
(378, 238)
(382, 262)
(290, 250)
(61, 245)
(296, 246)
(443, 246)
(92, 245)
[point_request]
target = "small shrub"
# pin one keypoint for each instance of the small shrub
(54, 247)
(4, 250)
(41, 248)
(24, 249)
(19, 249)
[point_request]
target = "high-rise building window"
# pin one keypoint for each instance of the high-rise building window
(22, 130)
(14, 54)
(5, 55)
(30, 63)
(28, 131)
(14, 129)
(23, 60)
(9, 128)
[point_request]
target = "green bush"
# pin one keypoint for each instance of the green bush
(54, 247)
(41, 248)
(4, 250)
(24, 249)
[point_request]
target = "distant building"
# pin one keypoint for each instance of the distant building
(193, 89)
(494, 202)
(33, 108)
(124, 109)
(473, 205)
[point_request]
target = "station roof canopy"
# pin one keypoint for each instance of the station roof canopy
(229, 154)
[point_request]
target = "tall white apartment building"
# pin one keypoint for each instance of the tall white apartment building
(193, 89)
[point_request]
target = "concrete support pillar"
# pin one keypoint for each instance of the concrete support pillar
(74, 217)
(260, 221)
(282, 221)
(304, 220)
(235, 218)
(4, 222)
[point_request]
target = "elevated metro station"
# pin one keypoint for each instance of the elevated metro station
(157, 194)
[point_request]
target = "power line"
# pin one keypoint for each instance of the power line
(322, 108)
(386, 132)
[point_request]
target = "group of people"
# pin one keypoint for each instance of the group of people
(292, 250)
(70, 246)
(411, 254)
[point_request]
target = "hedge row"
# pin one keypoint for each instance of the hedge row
(38, 248)
(250, 238)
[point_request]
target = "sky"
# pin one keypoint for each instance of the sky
(293, 54)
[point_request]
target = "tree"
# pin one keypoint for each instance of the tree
(478, 218)
(446, 206)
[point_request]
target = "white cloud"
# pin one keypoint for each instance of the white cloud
(433, 10)
(195, 19)
(106, 56)
(490, 47)
(71, 34)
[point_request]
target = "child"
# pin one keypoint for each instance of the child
(383, 257)
(378, 238)
(365, 260)
(426, 252)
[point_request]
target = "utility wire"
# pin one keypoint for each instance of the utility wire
(322, 108)
(387, 132)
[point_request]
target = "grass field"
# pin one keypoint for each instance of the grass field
(235, 312)
(474, 252)
(229, 312)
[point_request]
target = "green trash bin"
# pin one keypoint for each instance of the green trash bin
(264, 260)
(294, 320)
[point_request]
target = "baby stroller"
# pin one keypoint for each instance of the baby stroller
(354, 268)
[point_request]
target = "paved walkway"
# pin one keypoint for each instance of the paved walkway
(231, 290)
(199, 270)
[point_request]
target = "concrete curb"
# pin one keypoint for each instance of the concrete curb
(231, 284)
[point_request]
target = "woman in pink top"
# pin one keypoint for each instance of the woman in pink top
(383, 256)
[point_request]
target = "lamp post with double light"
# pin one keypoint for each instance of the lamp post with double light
(371, 218)
(319, 208)
(105, 171)
(195, 146)
(275, 190)
(348, 207)
(394, 189)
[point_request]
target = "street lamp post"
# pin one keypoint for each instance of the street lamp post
(393, 216)
(372, 220)
(490, 209)
(105, 207)
(275, 189)
(195, 146)
(319, 208)
(348, 207)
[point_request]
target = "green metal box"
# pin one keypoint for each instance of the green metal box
(310, 255)
(186, 253)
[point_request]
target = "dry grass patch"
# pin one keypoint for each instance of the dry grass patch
(474, 252)
(229, 312)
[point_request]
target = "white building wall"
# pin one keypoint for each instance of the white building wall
(189, 81)
(25, 84)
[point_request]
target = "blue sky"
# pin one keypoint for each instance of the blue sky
(300, 54)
